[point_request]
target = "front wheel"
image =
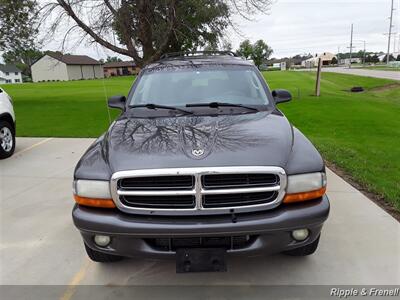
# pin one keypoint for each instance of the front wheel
(305, 250)
(98, 256)
(7, 139)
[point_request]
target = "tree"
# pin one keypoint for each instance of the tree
(375, 59)
(245, 49)
(226, 45)
(23, 59)
(146, 29)
(113, 59)
(334, 61)
(211, 47)
(398, 58)
(359, 54)
(18, 25)
(201, 24)
(261, 52)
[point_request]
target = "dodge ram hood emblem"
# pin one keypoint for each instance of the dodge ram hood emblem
(197, 152)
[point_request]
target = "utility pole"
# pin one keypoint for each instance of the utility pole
(318, 82)
(351, 44)
(365, 46)
(364, 52)
(398, 45)
(390, 32)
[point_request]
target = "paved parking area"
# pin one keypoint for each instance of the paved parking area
(360, 244)
(393, 75)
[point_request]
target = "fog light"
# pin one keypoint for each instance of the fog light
(300, 234)
(102, 240)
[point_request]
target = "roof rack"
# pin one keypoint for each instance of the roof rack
(197, 53)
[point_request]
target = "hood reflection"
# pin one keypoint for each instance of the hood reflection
(184, 134)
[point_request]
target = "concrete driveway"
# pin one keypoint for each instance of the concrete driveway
(393, 75)
(39, 245)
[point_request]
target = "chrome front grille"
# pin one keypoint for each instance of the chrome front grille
(168, 202)
(215, 181)
(241, 199)
(157, 183)
(198, 191)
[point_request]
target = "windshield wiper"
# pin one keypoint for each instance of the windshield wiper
(220, 104)
(155, 106)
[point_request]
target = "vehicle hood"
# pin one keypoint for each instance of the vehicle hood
(262, 138)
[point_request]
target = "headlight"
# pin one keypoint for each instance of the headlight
(93, 193)
(305, 187)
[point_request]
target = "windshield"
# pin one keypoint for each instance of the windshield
(236, 85)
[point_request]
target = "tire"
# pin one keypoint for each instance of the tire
(305, 250)
(101, 257)
(7, 139)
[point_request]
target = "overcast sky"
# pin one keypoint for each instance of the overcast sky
(307, 26)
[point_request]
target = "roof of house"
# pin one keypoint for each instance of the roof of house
(119, 64)
(70, 59)
(9, 68)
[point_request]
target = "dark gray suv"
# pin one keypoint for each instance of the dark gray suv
(200, 164)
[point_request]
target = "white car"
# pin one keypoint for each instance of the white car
(7, 125)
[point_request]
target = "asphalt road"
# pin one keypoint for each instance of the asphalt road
(394, 75)
(360, 243)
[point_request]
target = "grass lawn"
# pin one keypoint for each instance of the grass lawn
(65, 109)
(360, 133)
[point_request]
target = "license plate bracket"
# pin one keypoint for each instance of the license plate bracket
(201, 260)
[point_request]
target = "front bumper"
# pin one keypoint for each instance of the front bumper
(129, 233)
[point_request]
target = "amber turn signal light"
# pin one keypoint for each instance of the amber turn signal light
(305, 196)
(106, 203)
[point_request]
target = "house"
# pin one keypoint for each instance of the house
(284, 63)
(56, 66)
(382, 57)
(281, 66)
(326, 58)
(120, 68)
(354, 60)
(10, 74)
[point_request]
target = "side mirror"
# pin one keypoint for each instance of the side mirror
(281, 96)
(117, 102)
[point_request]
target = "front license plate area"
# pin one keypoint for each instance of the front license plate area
(201, 260)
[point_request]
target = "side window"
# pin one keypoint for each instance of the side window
(16, 73)
(7, 73)
(17, 80)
